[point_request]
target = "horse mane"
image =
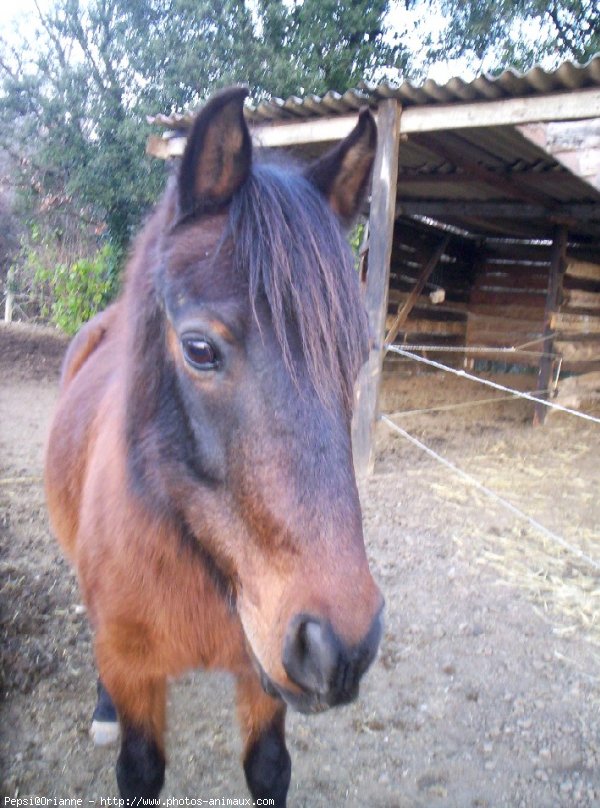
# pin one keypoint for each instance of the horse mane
(291, 252)
(294, 252)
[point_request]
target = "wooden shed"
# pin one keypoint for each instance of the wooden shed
(484, 218)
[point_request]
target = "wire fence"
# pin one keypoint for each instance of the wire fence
(533, 396)
(516, 393)
(505, 503)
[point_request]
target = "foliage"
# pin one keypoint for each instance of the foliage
(517, 33)
(78, 87)
(9, 234)
(355, 238)
(78, 148)
(54, 287)
(78, 290)
(80, 78)
(320, 45)
(81, 290)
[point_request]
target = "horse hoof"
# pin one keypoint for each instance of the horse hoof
(104, 733)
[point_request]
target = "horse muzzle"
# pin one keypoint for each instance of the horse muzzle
(325, 669)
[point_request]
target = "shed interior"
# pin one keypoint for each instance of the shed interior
(485, 251)
(502, 201)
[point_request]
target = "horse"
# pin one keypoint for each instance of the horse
(199, 470)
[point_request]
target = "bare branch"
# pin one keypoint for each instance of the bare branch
(563, 32)
(79, 34)
(53, 36)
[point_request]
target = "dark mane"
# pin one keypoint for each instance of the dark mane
(294, 252)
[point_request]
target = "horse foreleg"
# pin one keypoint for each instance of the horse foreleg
(105, 724)
(267, 764)
(141, 762)
(140, 705)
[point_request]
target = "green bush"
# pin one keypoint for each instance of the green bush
(355, 237)
(71, 294)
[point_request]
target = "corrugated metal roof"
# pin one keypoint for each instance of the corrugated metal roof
(485, 165)
(428, 175)
(509, 84)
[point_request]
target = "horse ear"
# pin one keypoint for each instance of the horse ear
(217, 156)
(342, 174)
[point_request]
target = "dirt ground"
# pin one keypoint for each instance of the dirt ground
(486, 689)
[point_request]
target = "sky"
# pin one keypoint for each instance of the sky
(13, 8)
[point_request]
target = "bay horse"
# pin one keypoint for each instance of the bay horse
(199, 466)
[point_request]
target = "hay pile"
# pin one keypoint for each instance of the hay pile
(550, 473)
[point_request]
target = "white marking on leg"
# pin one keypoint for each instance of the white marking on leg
(104, 733)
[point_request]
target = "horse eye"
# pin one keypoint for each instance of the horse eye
(199, 353)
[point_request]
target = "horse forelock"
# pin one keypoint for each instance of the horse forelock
(291, 247)
(289, 250)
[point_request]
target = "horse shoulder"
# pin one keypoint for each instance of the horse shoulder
(86, 341)
(89, 376)
(153, 603)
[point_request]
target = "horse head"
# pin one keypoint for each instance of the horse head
(254, 341)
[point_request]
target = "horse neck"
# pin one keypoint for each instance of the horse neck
(143, 330)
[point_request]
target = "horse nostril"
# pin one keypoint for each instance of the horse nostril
(310, 654)
(316, 659)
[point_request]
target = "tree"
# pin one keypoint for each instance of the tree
(517, 33)
(74, 97)
(65, 117)
(319, 45)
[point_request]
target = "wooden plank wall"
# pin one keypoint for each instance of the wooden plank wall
(494, 296)
(577, 324)
(508, 297)
(429, 323)
(507, 305)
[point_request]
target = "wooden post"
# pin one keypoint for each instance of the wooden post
(478, 269)
(10, 296)
(557, 268)
(405, 310)
(381, 234)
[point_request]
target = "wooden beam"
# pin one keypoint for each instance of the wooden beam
(273, 135)
(584, 270)
(578, 299)
(565, 106)
(573, 366)
(431, 327)
(570, 105)
(319, 130)
(501, 228)
(424, 274)
(435, 178)
(425, 302)
(457, 152)
(381, 234)
(521, 298)
(509, 312)
(568, 323)
(502, 249)
(10, 296)
(587, 351)
(574, 144)
(165, 147)
(511, 281)
(495, 210)
(514, 332)
(557, 268)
